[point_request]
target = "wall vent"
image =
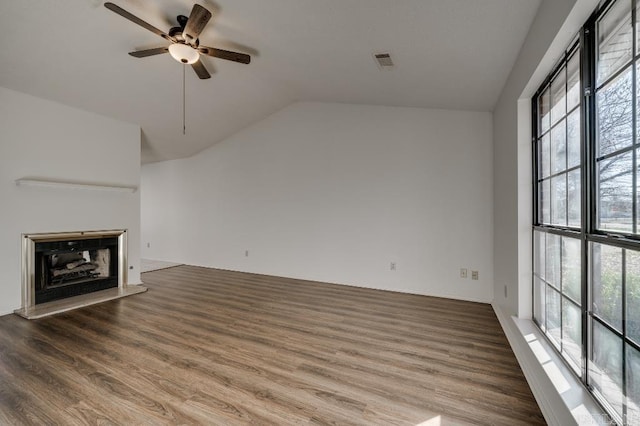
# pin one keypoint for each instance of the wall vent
(383, 60)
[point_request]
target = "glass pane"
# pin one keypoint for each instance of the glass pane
(637, 191)
(559, 96)
(544, 106)
(552, 261)
(615, 37)
(574, 198)
(545, 154)
(559, 148)
(571, 268)
(605, 370)
(633, 386)
(615, 118)
(607, 284)
(572, 333)
(615, 205)
(538, 302)
(538, 253)
(638, 97)
(545, 201)
(573, 139)
(637, 31)
(559, 200)
(553, 315)
(632, 283)
(573, 81)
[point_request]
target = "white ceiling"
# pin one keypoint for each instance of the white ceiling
(452, 54)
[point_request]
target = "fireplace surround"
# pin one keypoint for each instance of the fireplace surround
(67, 270)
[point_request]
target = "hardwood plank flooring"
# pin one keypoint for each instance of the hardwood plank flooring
(206, 346)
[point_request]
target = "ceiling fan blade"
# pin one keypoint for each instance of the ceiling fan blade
(242, 58)
(120, 11)
(149, 52)
(199, 68)
(196, 23)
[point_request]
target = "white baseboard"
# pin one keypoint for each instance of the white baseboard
(3, 313)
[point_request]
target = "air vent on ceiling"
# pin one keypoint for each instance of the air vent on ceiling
(383, 60)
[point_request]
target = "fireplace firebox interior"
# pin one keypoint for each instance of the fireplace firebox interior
(74, 267)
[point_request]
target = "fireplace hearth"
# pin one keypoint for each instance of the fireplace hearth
(63, 271)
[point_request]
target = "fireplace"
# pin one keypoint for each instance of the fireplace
(62, 271)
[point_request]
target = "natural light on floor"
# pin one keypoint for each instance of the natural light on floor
(435, 421)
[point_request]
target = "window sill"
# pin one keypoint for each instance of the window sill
(562, 398)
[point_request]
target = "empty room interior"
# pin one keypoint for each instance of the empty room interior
(414, 212)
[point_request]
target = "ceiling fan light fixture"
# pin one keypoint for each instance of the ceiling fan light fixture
(184, 53)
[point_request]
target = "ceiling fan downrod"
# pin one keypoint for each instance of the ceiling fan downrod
(184, 102)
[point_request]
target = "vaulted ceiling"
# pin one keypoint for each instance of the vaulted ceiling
(452, 54)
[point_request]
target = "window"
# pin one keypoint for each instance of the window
(586, 231)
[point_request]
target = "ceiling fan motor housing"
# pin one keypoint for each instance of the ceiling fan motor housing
(176, 33)
(182, 20)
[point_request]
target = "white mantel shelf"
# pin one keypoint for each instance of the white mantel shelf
(74, 185)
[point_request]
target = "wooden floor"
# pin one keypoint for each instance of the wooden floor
(204, 346)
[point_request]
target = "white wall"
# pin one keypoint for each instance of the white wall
(335, 193)
(43, 139)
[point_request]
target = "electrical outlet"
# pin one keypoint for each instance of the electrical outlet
(474, 275)
(246, 253)
(392, 266)
(463, 272)
(148, 245)
(505, 291)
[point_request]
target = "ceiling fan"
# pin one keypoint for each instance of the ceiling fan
(185, 45)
